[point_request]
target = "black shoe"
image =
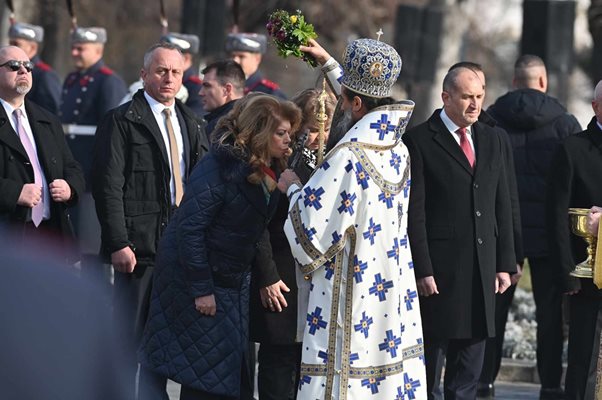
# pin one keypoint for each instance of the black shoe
(485, 390)
(551, 394)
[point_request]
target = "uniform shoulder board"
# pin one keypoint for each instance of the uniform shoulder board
(43, 66)
(268, 83)
(106, 70)
(195, 79)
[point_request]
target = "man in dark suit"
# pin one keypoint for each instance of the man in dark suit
(39, 178)
(46, 89)
(460, 230)
(574, 181)
(145, 150)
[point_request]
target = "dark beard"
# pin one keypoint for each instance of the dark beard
(341, 124)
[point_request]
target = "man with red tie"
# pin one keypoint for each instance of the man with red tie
(460, 231)
(39, 178)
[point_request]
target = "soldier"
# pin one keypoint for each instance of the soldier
(93, 88)
(46, 89)
(88, 93)
(189, 46)
(247, 49)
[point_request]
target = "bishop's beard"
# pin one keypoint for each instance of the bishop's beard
(341, 124)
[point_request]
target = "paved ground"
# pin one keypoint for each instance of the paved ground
(504, 391)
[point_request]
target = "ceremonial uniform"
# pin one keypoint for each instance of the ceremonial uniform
(46, 85)
(193, 84)
(257, 83)
(46, 88)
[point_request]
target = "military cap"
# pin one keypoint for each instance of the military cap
(185, 42)
(21, 30)
(370, 67)
(251, 42)
(89, 35)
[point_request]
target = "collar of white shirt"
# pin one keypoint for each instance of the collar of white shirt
(157, 107)
(450, 125)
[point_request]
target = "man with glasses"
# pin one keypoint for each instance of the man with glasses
(39, 178)
(46, 89)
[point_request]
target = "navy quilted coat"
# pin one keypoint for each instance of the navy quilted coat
(207, 248)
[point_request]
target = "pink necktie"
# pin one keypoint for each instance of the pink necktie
(465, 145)
(37, 212)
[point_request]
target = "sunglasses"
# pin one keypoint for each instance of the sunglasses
(15, 65)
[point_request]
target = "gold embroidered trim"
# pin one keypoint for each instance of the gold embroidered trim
(368, 372)
(309, 248)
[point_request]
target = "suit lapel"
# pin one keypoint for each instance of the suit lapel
(444, 138)
(41, 131)
(9, 136)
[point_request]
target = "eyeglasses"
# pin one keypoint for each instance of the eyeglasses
(15, 65)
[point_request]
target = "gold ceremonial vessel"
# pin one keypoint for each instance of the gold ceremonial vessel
(578, 221)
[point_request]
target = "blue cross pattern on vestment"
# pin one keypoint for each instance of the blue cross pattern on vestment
(316, 321)
(304, 379)
(323, 355)
(336, 237)
(312, 197)
(394, 252)
(395, 161)
(347, 203)
(372, 383)
(406, 189)
(371, 232)
(309, 232)
(390, 344)
(358, 269)
(353, 357)
(361, 176)
(380, 287)
(410, 385)
(409, 298)
(386, 198)
(382, 126)
(364, 325)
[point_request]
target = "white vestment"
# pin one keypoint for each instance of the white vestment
(347, 230)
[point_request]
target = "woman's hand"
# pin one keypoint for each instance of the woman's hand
(272, 296)
(287, 178)
(206, 305)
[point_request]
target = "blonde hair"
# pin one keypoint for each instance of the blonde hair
(250, 125)
(307, 100)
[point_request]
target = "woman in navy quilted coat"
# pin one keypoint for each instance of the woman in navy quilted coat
(197, 329)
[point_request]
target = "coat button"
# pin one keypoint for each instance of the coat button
(10, 158)
(475, 185)
(478, 213)
(480, 241)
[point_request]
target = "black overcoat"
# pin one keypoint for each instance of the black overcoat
(56, 162)
(460, 227)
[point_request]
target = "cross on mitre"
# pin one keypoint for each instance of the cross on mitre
(379, 34)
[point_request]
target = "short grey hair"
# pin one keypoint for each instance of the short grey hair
(148, 56)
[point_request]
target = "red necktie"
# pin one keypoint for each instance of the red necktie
(37, 212)
(465, 145)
